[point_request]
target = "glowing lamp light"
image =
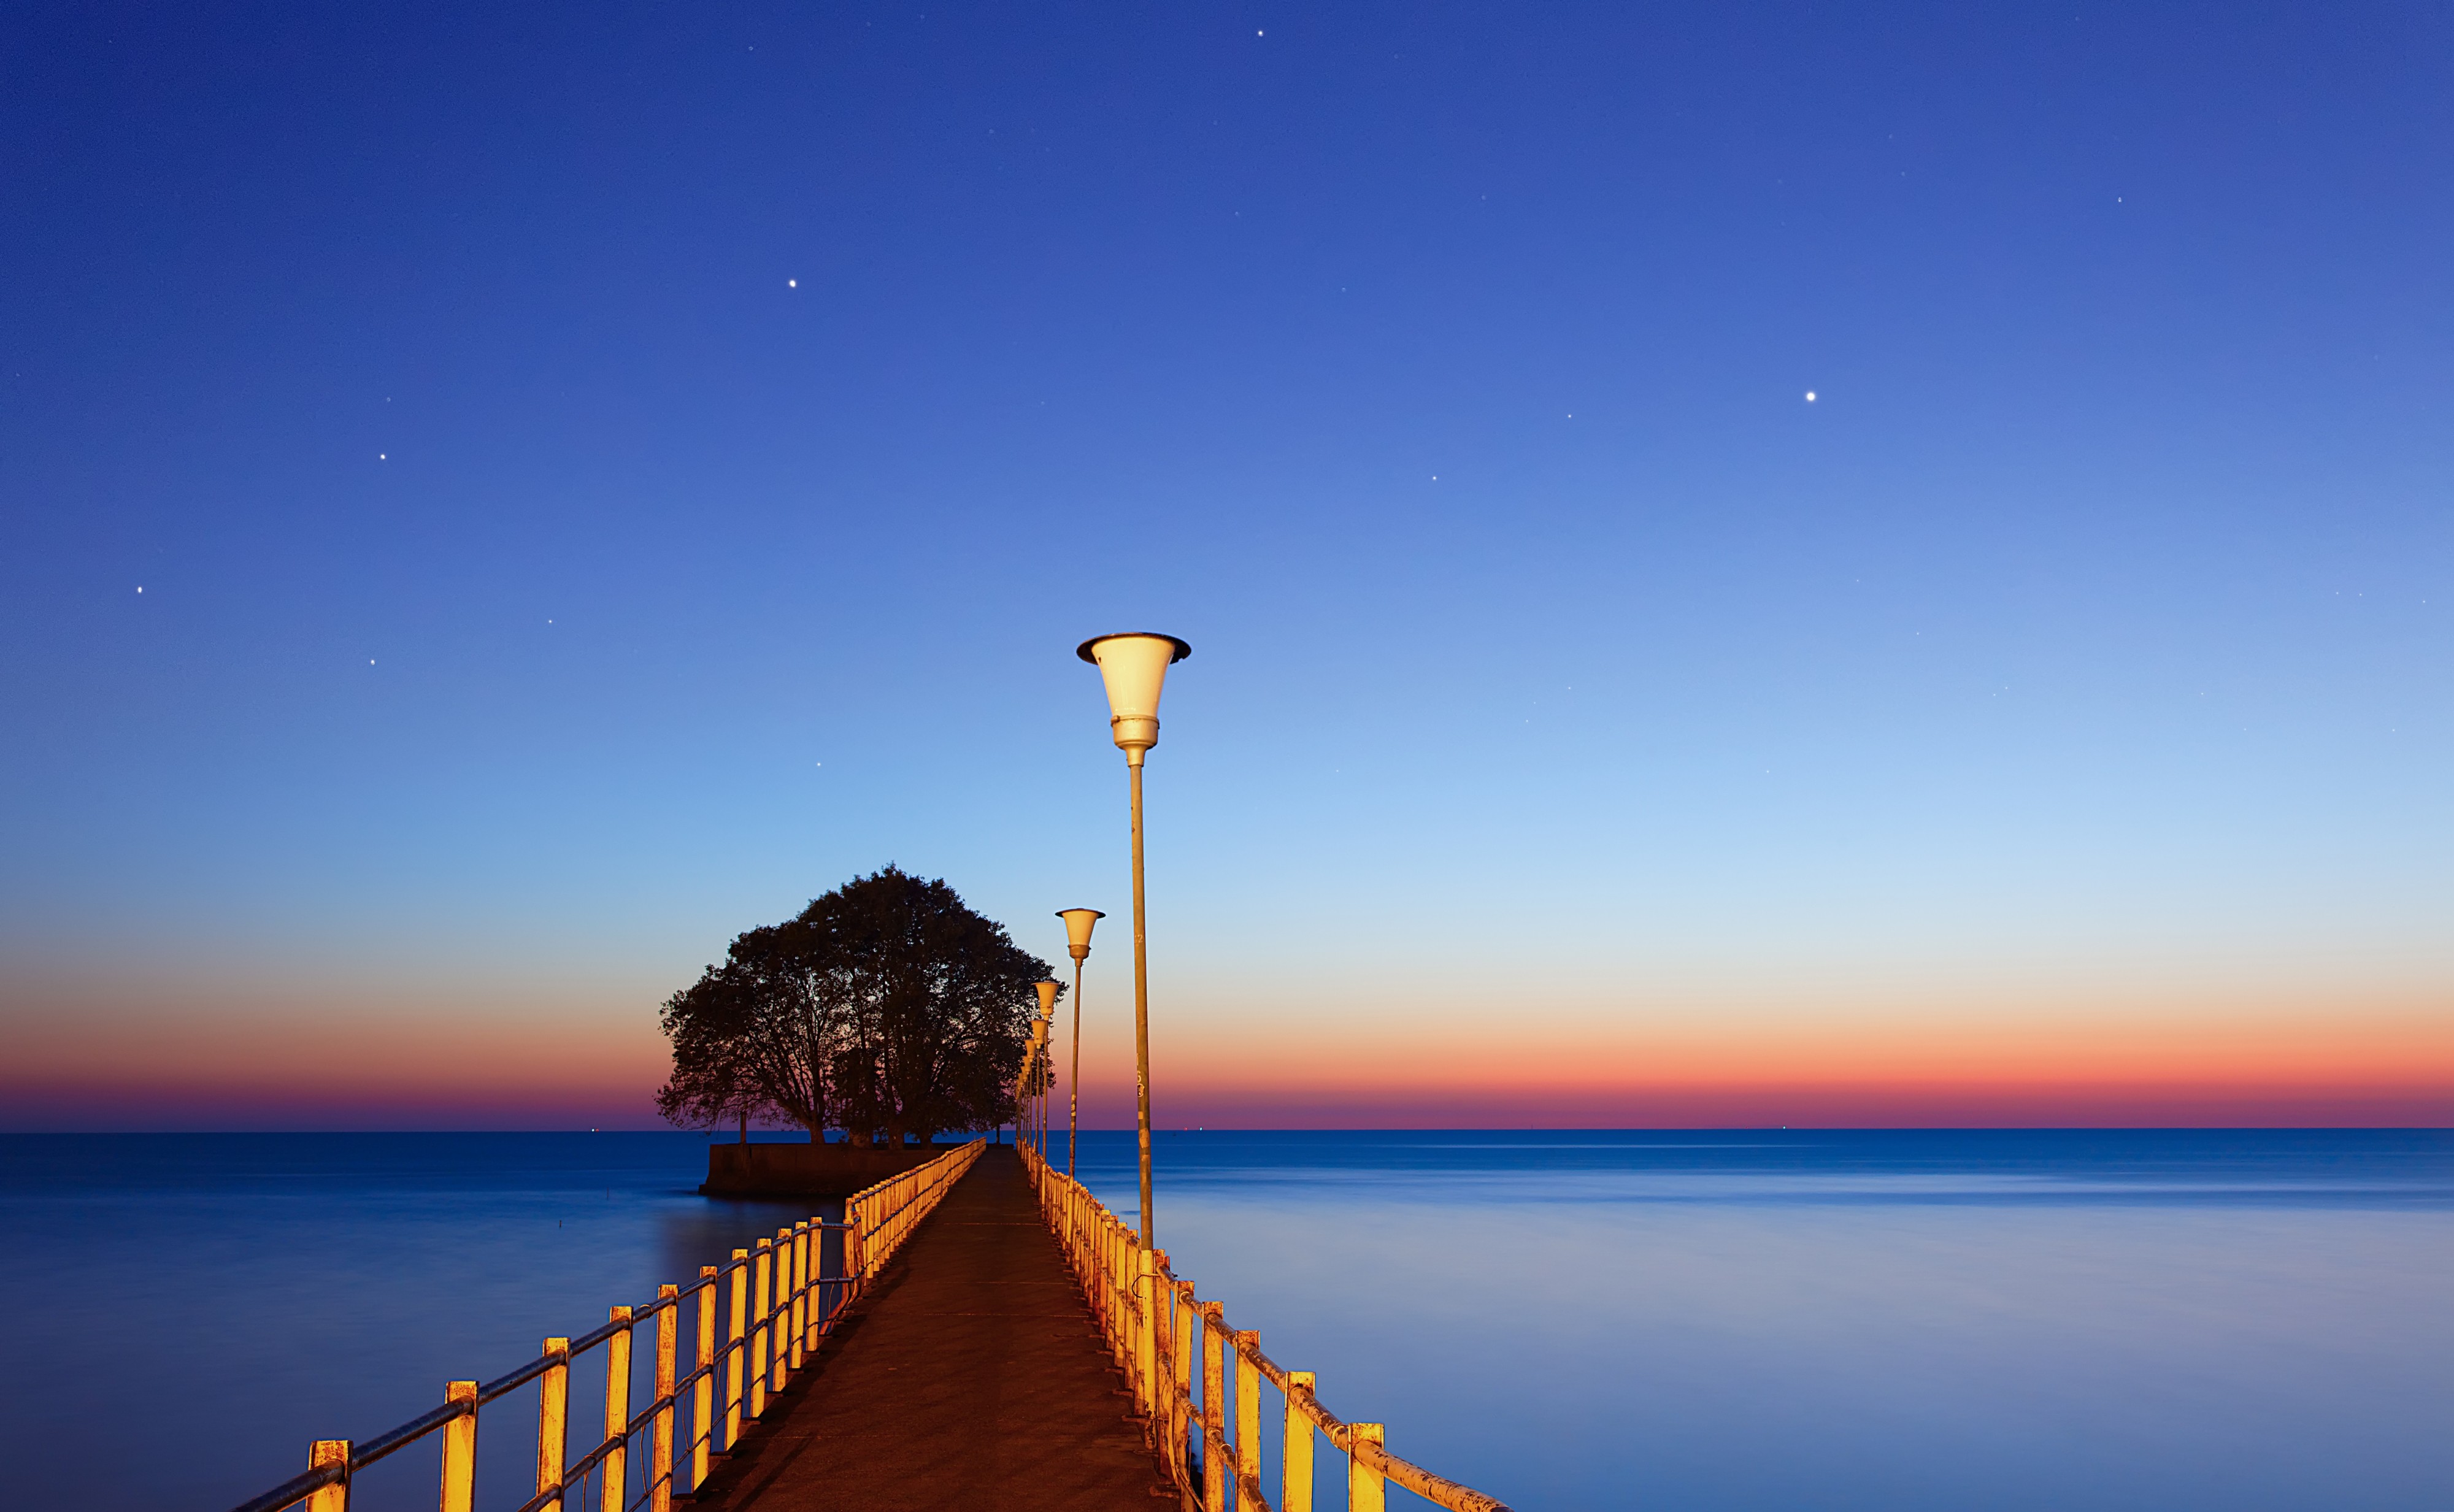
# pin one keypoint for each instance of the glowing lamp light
(1134, 667)
(1078, 930)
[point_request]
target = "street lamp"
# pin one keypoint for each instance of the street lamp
(1133, 666)
(1077, 944)
(1048, 990)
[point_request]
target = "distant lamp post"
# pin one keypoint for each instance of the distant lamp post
(1048, 990)
(1077, 944)
(1134, 667)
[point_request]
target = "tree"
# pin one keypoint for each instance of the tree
(887, 1006)
(714, 1081)
(794, 1024)
(938, 1002)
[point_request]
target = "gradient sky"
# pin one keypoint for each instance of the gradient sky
(599, 477)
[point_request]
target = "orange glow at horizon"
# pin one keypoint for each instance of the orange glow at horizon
(584, 1054)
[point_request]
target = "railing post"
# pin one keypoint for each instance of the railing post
(334, 1498)
(703, 1389)
(1163, 1341)
(617, 1409)
(1296, 1448)
(1213, 1408)
(1145, 1334)
(1188, 1348)
(787, 1266)
(460, 1449)
(1366, 1488)
(660, 1468)
(554, 1417)
(760, 1309)
(814, 1323)
(802, 1237)
(1119, 1323)
(1248, 1416)
(736, 1319)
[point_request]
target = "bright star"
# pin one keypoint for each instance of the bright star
(1810, 395)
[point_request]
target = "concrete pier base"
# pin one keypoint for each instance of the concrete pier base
(806, 1170)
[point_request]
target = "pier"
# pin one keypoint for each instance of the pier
(990, 1330)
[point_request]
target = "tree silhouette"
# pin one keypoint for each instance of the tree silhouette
(714, 1081)
(887, 1006)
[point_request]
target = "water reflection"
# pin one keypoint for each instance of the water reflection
(2029, 1320)
(1737, 1321)
(284, 1288)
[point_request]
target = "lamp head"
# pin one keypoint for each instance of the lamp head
(1133, 666)
(1048, 990)
(1077, 929)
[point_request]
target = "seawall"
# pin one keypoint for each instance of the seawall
(806, 1170)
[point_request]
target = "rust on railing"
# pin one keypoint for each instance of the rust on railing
(797, 1308)
(1177, 1352)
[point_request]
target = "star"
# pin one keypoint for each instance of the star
(792, 283)
(1810, 395)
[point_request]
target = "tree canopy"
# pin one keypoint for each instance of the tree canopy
(886, 1008)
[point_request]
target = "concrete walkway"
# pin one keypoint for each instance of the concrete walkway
(973, 1377)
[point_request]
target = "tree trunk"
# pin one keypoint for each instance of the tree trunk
(745, 1126)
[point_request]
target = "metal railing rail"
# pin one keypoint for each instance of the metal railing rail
(1162, 1336)
(780, 1308)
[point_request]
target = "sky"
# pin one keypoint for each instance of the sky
(1878, 565)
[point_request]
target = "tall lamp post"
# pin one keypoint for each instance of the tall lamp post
(1048, 990)
(1077, 944)
(1134, 667)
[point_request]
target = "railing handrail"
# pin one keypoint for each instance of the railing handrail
(799, 1303)
(1109, 1261)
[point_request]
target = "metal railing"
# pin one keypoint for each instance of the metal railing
(1179, 1356)
(779, 1309)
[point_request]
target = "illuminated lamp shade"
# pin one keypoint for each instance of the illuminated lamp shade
(1078, 930)
(1048, 990)
(1133, 666)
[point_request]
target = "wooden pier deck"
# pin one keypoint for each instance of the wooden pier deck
(960, 1366)
(972, 1375)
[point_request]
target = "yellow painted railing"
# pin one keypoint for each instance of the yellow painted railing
(1179, 1355)
(777, 1309)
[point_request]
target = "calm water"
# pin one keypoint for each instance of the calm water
(2175, 1321)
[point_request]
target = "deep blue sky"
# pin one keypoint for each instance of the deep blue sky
(516, 539)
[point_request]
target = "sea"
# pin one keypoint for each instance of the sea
(1918, 1321)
